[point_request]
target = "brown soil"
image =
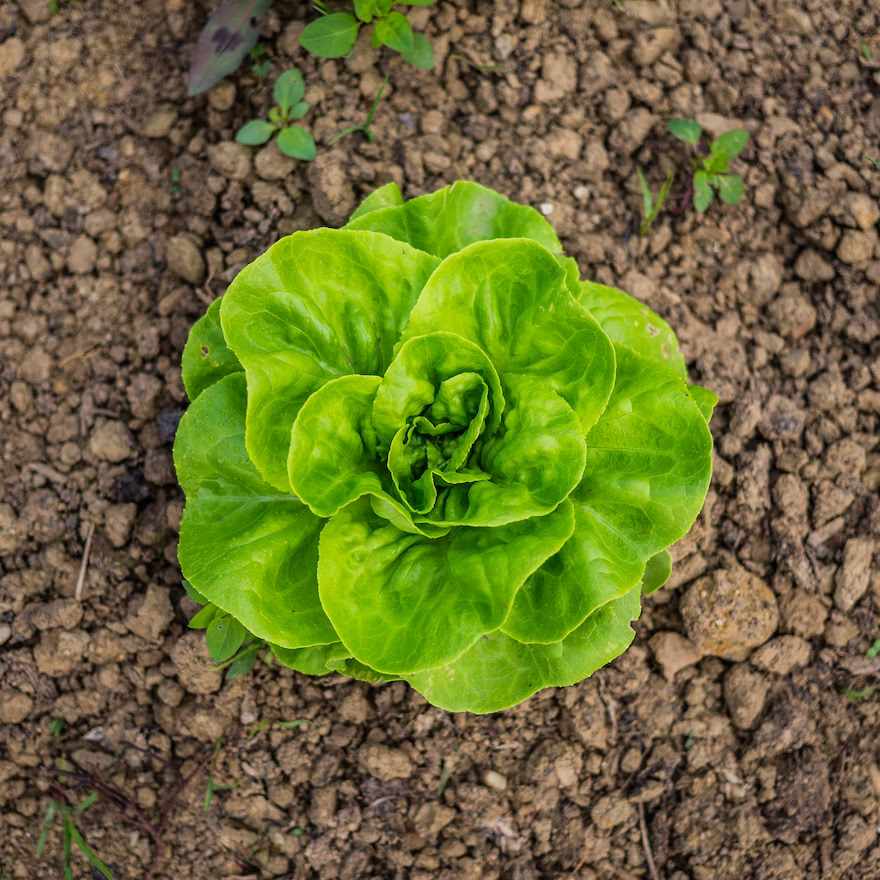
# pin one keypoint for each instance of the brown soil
(759, 766)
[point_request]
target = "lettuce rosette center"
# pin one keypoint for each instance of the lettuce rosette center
(420, 448)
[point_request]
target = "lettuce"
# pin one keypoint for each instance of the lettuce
(420, 448)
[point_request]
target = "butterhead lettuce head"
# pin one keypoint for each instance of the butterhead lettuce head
(420, 448)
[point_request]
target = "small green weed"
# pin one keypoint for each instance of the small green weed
(293, 141)
(335, 33)
(365, 128)
(260, 65)
(650, 207)
(712, 171)
(874, 650)
(857, 696)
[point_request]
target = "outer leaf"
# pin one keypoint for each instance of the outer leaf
(250, 550)
(296, 142)
(395, 32)
(450, 219)
(317, 305)
(387, 196)
(224, 637)
(511, 299)
(206, 357)
(687, 130)
(311, 661)
(626, 321)
(289, 89)
(705, 400)
(498, 672)
(297, 111)
(730, 188)
(402, 603)
(649, 459)
(254, 133)
(657, 572)
(702, 191)
(331, 36)
(729, 144)
(422, 53)
(231, 32)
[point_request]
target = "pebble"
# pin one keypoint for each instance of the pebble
(222, 96)
(63, 613)
(558, 78)
(185, 260)
(230, 159)
(195, 667)
(857, 247)
(812, 267)
(729, 613)
(782, 654)
(60, 651)
(12, 535)
(494, 779)
(118, 523)
(111, 441)
(745, 693)
(650, 45)
(861, 210)
(854, 575)
(673, 652)
(271, 164)
(332, 192)
(12, 52)
(384, 762)
(14, 706)
(630, 134)
(82, 256)
(150, 614)
(5, 633)
(611, 811)
(803, 614)
(159, 124)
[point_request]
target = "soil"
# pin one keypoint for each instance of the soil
(738, 738)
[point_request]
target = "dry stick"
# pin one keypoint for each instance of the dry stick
(646, 843)
(85, 563)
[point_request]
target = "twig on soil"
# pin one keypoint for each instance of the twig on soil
(585, 854)
(85, 563)
(204, 292)
(646, 843)
(49, 473)
(86, 352)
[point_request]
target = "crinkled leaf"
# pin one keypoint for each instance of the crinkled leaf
(730, 188)
(702, 191)
(498, 672)
(687, 130)
(395, 32)
(657, 572)
(249, 549)
(317, 305)
(254, 133)
(401, 602)
(224, 637)
(296, 142)
(511, 299)
(422, 53)
(231, 32)
(647, 474)
(630, 323)
(331, 36)
(206, 357)
(289, 89)
(452, 218)
(387, 196)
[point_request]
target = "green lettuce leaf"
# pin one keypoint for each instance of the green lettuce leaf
(206, 356)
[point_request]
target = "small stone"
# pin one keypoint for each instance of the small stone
(494, 779)
(149, 615)
(793, 315)
(14, 706)
(765, 278)
(857, 247)
(673, 652)
(745, 693)
(143, 393)
(860, 210)
(781, 655)
(170, 692)
(384, 762)
(60, 651)
(271, 164)
(504, 46)
(222, 96)
(631, 132)
(111, 441)
(63, 613)
(12, 535)
(36, 366)
(812, 267)
(195, 667)
(332, 192)
(558, 78)
(5, 633)
(159, 124)
(185, 260)
(118, 523)
(12, 53)
(82, 256)
(230, 159)
(729, 613)
(650, 45)
(803, 614)
(854, 575)
(611, 811)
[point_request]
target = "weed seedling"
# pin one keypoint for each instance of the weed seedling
(855, 696)
(334, 34)
(293, 140)
(259, 64)
(651, 208)
(712, 171)
(874, 650)
(365, 128)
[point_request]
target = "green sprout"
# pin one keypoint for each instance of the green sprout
(651, 208)
(857, 696)
(711, 172)
(260, 65)
(293, 140)
(334, 34)
(874, 650)
(365, 128)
